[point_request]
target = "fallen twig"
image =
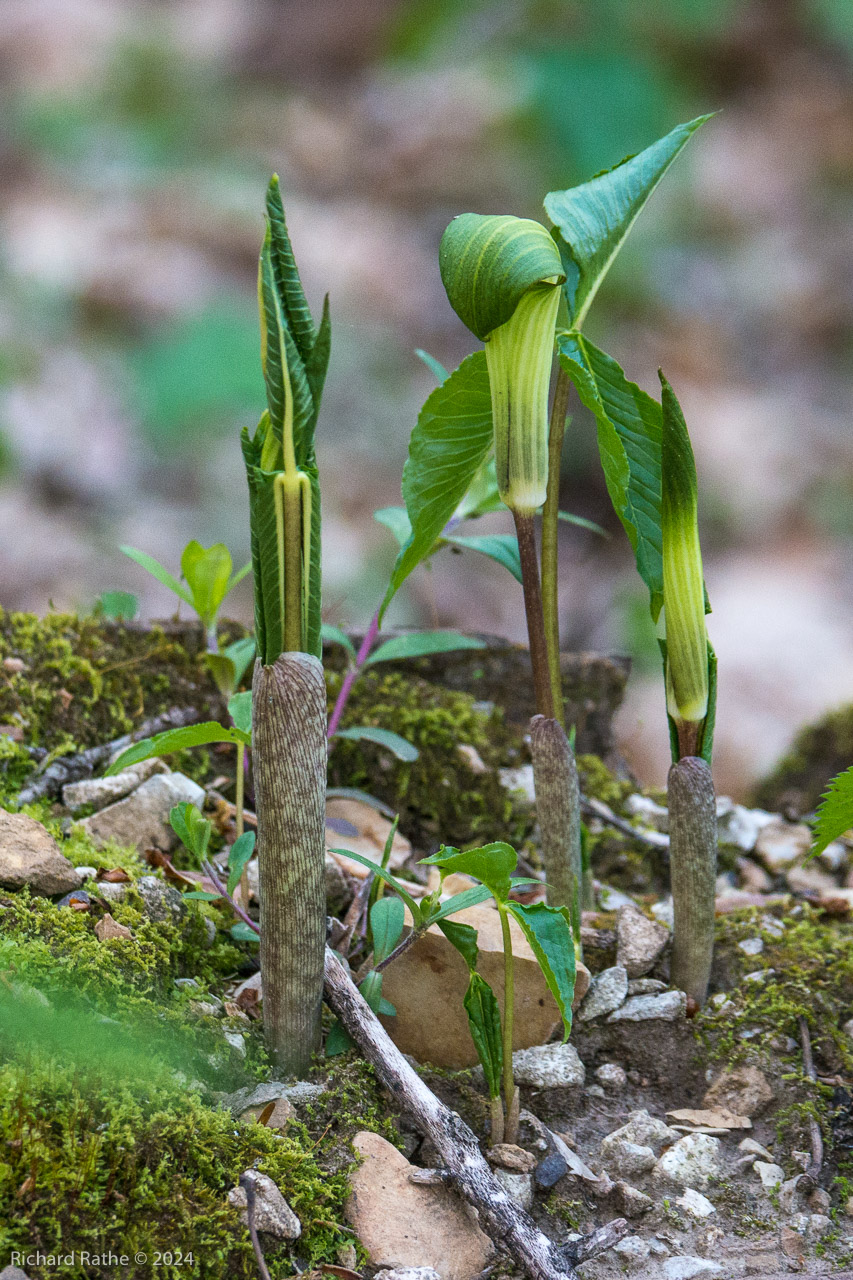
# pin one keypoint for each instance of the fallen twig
(72, 768)
(598, 809)
(247, 1182)
(507, 1224)
(812, 1174)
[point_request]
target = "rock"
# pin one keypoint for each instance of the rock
(10, 1272)
(506, 1155)
(607, 991)
(407, 1273)
(648, 811)
(112, 891)
(691, 1162)
(548, 1066)
(685, 1268)
(273, 1215)
(520, 782)
(611, 899)
(85, 873)
(549, 1171)
(517, 1185)
(669, 1007)
(744, 1090)
(428, 982)
(162, 902)
(627, 1159)
(612, 1076)
(752, 1148)
(630, 1202)
(771, 1175)
(632, 1249)
(645, 1131)
(740, 826)
(695, 1204)
(109, 928)
(789, 1194)
(793, 1245)
(811, 879)
(100, 792)
(29, 855)
(639, 941)
(372, 832)
(751, 946)
(819, 1224)
(781, 844)
(646, 987)
(819, 1200)
(141, 820)
(405, 1224)
(236, 1041)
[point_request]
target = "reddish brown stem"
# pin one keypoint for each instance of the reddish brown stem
(526, 534)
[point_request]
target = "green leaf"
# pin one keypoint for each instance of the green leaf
(449, 444)
(238, 577)
(371, 989)
(421, 644)
(434, 366)
(489, 261)
(156, 569)
(334, 635)
(400, 747)
(207, 571)
(123, 606)
(501, 547)
(484, 1023)
(629, 441)
(242, 932)
(463, 937)
(163, 744)
(387, 918)
(461, 901)
(593, 220)
(240, 711)
(241, 653)
(200, 895)
(835, 812)
(192, 829)
(492, 864)
(582, 523)
(229, 666)
(395, 519)
(549, 932)
(338, 1041)
(239, 855)
(414, 908)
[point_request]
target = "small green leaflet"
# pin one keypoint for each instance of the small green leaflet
(463, 937)
(500, 547)
(207, 571)
(162, 744)
(240, 711)
(492, 864)
(398, 746)
(387, 919)
(239, 855)
(549, 932)
(435, 366)
(242, 932)
(593, 219)
(835, 812)
(192, 829)
(484, 1023)
(449, 444)
(334, 635)
(158, 571)
(421, 644)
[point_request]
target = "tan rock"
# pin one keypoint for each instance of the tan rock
(372, 831)
(744, 1090)
(781, 844)
(141, 820)
(109, 928)
(29, 855)
(428, 982)
(404, 1224)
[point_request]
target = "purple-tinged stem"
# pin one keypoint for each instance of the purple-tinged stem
(352, 675)
(210, 871)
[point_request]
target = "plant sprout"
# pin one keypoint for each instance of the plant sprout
(207, 572)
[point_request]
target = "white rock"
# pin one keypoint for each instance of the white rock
(407, 1273)
(86, 873)
(639, 941)
(752, 1148)
(751, 946)
(612, 1076)
(29, 855)
(664, 913)
(652, 814)
(685, 1268)
(520, 782)
(692, 1161)
(611, 899)
(694, 1203)
(100, 792)
(819, 1224)
(627, 1159)
(273, 1215)
(834, 856)
(548, 1066)
(645, 987)
(771, 1175)
(848, 1028)
(738, 825)
(606, 992)
(781, 844)
(632, 1249)
(236, 1041)
(518, 1185)
(669, 1007)
(141, 820)
(644, 1130)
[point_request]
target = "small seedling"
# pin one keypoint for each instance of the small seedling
(192, 829)
(207, 573)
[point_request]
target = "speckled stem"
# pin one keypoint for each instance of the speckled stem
(289, 755)
(555, 777)
(693, 873)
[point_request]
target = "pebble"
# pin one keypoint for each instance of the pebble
(548, 1066)
(29, 855)
(744, 1090)
(740, 826)
(669, 1007)
(819, 1200)
(507, 1155)
(751, 946)
(645, 987)
(519, 1186)
(819, 1224)
(113, 891)
(141, 820)
(664, 913)
(771, 1175)
(848, 1028)
(86, 873)
(752, 1148)
(627, 1159)
(685, 1268)
(645, 1131)
(549, 1171)
(630, 1202)
(99, 792)
(781, 844)
(107, 928)
(632, 1249)
(273, 1215)
(606, 992)
(236, 1041)
(695, 1204)
(639, 941)
(162, 902)
(652, 814)
(692, 1161)
(407, 1273)
(612, 1076)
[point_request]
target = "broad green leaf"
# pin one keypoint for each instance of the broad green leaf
(501, 547)
(192, 829)
(240, 711)
(379, 871)
(387, 918)
(223, 671)
(593, 220)
(549, 932)
(207, 571)
(492, 864)
(338, 1041)
(397, 521)
(463, 937)
(239, 855)
(450, 442)
(334, 635)
(835, 812)
(582, 523)
(489, 261)
(123, 606)
(434, 366)
(398, 746)
(163, 744)
(156, 569)
(482, 495)
(484, 1022)
(461, 901)
(421, 644)
(629, 441)
(242, 932)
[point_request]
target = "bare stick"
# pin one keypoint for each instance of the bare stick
(507, 1224)
(247, 1182)
(598, 809)
(73, 768)
(812, 1174)
(693, 873)
(289, 754)
(555, 777)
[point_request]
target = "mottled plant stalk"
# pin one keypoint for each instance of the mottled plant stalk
(510, 1090)
(555, 777)
(693, 873)
(289, 756)
(526, 535)
(550, 535)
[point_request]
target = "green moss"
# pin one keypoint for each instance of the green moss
(818, 753)
(439, 796)
(597, 780)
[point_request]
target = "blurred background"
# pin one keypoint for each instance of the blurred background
(136, 139)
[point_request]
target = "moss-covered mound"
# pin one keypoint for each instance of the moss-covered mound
(817, 754)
